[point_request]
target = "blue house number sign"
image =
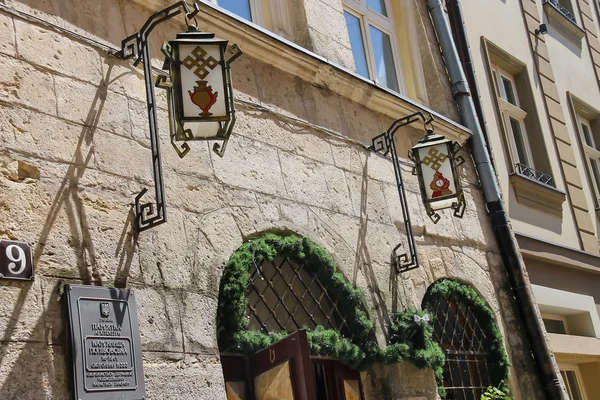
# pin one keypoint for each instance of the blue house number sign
(16, 260)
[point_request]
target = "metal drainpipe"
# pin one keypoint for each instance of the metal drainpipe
(499, 220)
(462, 43)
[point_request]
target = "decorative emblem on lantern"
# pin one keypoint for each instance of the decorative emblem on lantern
(199, 89)
(436, 165)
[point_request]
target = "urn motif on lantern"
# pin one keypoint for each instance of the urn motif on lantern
(203, 96)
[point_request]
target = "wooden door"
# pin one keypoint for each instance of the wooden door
(335, 381)
(282, 371)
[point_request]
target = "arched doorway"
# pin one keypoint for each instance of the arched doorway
(288, 288)
(464, 327)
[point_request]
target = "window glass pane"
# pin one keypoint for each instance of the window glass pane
(587, 136)
(509, 91)
(384, 60)
(494, 74)
(377, 6)
(554, 326)
(519, 142)
(566, 4)
(596, 175)
(238, 7)
(357, 43)
(575, 392)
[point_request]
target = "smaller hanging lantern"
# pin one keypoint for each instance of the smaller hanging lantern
(200, 93)
(436, 165)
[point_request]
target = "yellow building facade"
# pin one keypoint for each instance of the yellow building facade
(536, 66)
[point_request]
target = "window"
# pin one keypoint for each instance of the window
(591, 148)
(467, 349)
(572, 380)
(555, 324)
(247, 9)
(561, 16)
(518, 120)
(514, 119)
(565, 8)
(286, 294)
(373, 41)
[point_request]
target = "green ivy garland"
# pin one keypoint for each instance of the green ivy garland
(232, 319)
(499, 364)
(410, 341)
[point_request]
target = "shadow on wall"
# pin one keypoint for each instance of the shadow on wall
(41, 357)
(364, 262)
(33, 369)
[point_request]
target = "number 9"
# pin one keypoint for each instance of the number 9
(20, 259)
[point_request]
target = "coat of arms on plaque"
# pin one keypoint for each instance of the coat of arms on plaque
(105, 310)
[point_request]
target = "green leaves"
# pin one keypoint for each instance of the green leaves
(496, 393)
(417, 335)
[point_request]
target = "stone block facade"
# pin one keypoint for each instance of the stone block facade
(74, 153)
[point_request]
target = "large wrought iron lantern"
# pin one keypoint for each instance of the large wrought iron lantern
(200, 94)
(436, 165)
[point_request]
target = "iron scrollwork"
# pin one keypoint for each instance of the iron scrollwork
(136, 46)
(386, 144)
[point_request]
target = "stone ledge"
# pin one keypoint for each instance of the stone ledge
(538, 195)
(563, 24)
(282, 54)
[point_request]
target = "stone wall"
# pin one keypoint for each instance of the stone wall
(74, 152)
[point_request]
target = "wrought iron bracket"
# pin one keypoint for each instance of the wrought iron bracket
(386, 144)
(149, 215)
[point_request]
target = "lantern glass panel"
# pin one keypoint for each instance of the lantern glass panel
(202, 130)
(438, 179)
(203, 91)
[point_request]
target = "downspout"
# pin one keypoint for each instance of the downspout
(499, 220)
(457, 24)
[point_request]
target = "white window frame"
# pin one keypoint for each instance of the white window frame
(368, 17)
(561, 318)
(514, 111)
(256, 11)
(574, 368)
(591, 152)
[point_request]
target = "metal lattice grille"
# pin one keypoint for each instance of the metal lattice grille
(467, 349)
(285, 296)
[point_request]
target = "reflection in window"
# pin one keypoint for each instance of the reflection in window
(356, 41)
(514, 120)
(238, 7)
(377, 6)
(591, 148)
(572, 384)
(372, 38)
(384, 60)
(555, 326)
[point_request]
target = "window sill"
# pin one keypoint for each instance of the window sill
(563, 23)
(538, 195)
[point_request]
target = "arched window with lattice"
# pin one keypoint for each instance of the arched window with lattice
(465, 329)
(287, 315)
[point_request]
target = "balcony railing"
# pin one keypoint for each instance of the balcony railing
(562, 9)
(534, 174)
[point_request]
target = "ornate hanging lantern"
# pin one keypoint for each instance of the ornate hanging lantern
(436, 165)
(200, 93)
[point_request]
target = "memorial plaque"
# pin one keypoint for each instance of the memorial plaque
(105, 337)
